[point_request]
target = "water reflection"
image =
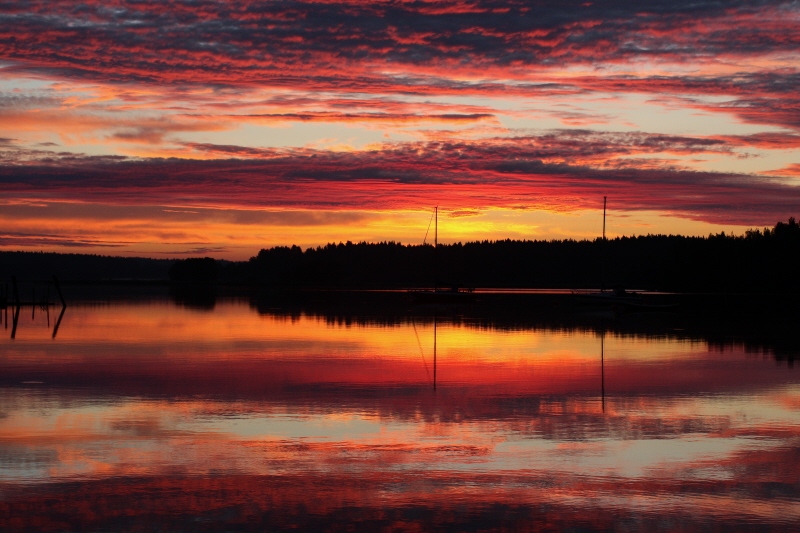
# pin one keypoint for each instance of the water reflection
(262, 414)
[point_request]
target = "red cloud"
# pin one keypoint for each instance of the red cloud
(382, 118)
(375, 47)
(792, 171)
(766, 141)
(558, 171)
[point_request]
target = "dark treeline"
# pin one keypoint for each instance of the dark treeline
(81, 267)
(759, 261)
(762, 324)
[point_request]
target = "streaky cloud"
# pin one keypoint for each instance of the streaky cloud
(550, 172)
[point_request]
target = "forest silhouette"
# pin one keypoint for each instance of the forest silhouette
(761, 260)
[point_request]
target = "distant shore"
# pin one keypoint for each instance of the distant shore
(761, 261)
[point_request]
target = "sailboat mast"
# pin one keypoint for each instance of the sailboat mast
(603, 370)
(434, 352)
(436, 227)
(603, 248)
(436, 248)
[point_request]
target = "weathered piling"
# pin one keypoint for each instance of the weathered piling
(58, 289)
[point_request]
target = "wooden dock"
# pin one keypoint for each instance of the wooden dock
(13, 299)
(11, 303)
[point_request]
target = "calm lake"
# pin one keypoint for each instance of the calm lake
(162, 414)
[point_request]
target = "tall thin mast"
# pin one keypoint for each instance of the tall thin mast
(603, 370)
(434, 352)
(436, 248)
(603, 248)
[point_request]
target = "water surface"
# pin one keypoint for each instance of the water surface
(237, 416)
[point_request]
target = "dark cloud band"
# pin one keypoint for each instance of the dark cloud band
(549, 171)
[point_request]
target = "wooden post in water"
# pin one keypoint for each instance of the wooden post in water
(16, 291)
(58, 289)
(14, 322)
(58, 322)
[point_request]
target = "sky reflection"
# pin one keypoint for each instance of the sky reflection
(243, 418)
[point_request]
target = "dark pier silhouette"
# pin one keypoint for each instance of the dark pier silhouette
(11, 303)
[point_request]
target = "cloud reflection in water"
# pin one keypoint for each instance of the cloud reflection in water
(152, 415)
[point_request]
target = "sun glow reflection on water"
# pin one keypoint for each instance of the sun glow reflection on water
(263, 414)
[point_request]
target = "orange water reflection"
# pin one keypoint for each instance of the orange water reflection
(151, 416)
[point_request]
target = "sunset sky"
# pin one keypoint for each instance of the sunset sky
(206, 127)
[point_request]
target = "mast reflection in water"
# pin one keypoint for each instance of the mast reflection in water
(150, 416)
